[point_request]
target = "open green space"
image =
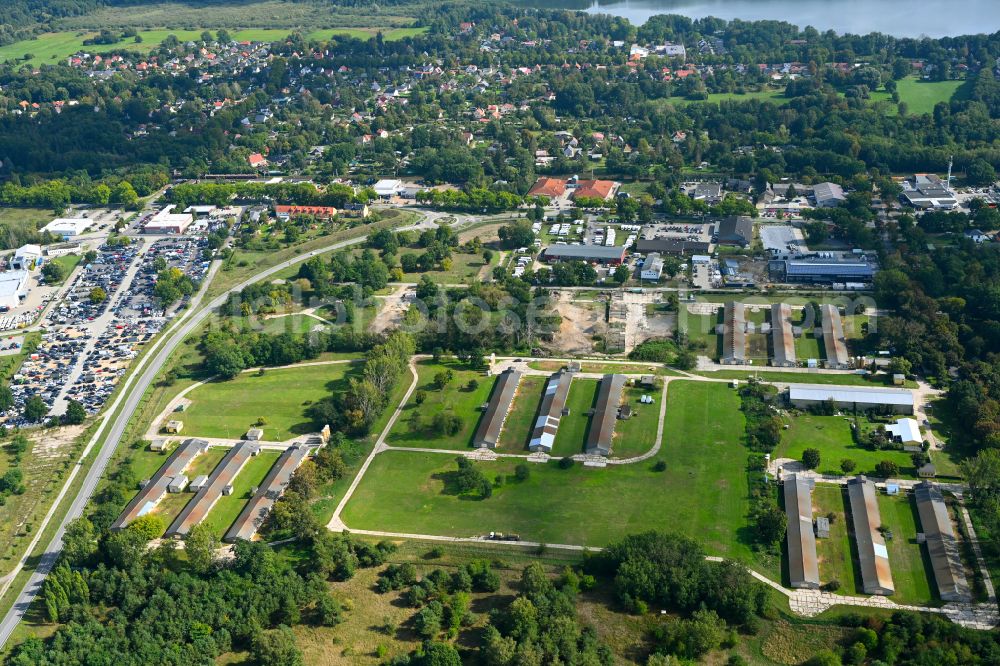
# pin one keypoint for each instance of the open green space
(298, 324)
(414, 426)
(464, 268)
(700, 331)
(808, 346)
(637, 434)
(816, 377)
(703, 492)
(572, 432)
(832, 436)
(206, 462)
(836, 553)
(228, 507)
(281, 396)
(53, 47)
(921, 96)
(908, 560)
(28, 219)
(68, 262)
(520, 419)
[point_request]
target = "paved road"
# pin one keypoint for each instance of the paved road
(128, 401)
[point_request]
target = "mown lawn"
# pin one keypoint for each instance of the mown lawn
(298, 324)
(921, 96)
(521, 418)
(703, 492)
(413, 426)
(836, 553)
(636, 435)
(908, 560)
(281, 396)
(832, 436)
(228, 507)
(573, 427)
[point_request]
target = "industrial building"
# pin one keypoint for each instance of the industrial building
(833, 338)
(488, 432)
(612, 256)
(735, 230)
(734, 334)
(602, 423)
(220, 482)
(873, 556)
(13, 288)
(553, 408)
(260, 505)
(26, 257)
(942, 544)
(67, 227)
(828, 195)
(820, 271)
(388, 188)
(926, 191)
(782, 338)
(803, 569)
(652, 267)
(678, 246)
(169, 222)
(861, 398)
(906, 432)
(155, 488)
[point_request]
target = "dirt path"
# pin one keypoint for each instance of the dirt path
(391, 309)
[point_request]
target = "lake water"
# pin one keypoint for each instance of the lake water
(901, 18)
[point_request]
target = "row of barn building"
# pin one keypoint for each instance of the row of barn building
(171, 478)
(782, 336)
(551, 410)
(873, 555)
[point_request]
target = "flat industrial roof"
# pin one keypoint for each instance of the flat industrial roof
(820, 392)
(597, 252)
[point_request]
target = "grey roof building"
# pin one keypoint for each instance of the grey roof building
(490, 425)
(260, 505)
(736, 230)
(734, 334)
(606, 255)
(709, 192)
(833, 338)
(828, 195)
(151, 493)
(942, 545)
(803, 570)
(782, 339)
(219, 480)
(602, 424)
(851, 397)
(873, 556)
(551, 410)
(820, 271)
(678, 246)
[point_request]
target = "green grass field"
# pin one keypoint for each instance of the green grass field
(703, 492)
(53, 47)
(921, 96)
(835, 554)
(294, 323)
(636, 435)
(910, 564)
(573, 427)
(281, 396)
(413, 429)
(521, 418)
(228, 507)
(832, 436)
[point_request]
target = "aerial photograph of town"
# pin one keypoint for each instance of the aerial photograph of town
(499, 333)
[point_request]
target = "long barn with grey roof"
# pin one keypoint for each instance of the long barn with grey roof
(260, 505)
(833, 337)
(804, 396)
(602, 424)
(782, 339)
(803, 569)
(873, 556)
(488, 432)
(550, 412)
(734, 334)
(219, 484)
(154, 490)
(942, 544)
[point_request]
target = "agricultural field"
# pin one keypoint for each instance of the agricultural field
(228, 507)
(281, 396)
(702, 493)
(414, 429)
(832, 436)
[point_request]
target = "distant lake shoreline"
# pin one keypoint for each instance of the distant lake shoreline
(900, 18)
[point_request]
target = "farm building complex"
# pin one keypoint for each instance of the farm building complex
(602, 425)
(804, 396)
(803, 569)
(220, 482)
(155, 488)
(734, 334)
(277, 479)
(873, 556)
(496, 411)
(942, 545)
(781, 335)
(833, 338)
(551, 410)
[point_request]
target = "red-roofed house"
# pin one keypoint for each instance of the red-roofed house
(257, 160)
(548, 187)
(595, 189)
(321, 212)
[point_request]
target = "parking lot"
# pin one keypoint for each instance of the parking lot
(782, 240)
(186, 254)
(692, 231)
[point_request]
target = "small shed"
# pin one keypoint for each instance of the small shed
(177, 484)
(625, 412)
(255, 434)
(648, 381)
(199, 482)
(227, 489)
(892, 489)
(158, 444)
(573, 366)
(822, 527)
(927, 471)
(174, 426)
(898, 379)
